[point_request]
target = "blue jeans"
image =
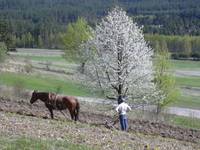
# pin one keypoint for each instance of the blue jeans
(123, 122)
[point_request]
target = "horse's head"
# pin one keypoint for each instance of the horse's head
(33, 97)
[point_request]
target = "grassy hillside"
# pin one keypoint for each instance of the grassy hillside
(67, 84)
(187, 101)
(28, 143)
(185, 65)
(188, 81)
(187, 122)
(44, 84)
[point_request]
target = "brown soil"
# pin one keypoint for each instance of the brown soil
(92, 118)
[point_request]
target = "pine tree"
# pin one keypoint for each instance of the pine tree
(187, 47)
(23, 40)
(40, 42)
(29, 40)
(5, 33)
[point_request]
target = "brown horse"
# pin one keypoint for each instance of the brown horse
(56, 102)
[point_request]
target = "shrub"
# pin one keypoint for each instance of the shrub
(3, 50)
(195, 55)
(19, 88)
(28, 66)
(175, 56)
(183, 55)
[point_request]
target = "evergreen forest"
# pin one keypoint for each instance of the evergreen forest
(41, 23)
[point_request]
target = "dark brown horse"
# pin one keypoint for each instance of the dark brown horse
(56, 102)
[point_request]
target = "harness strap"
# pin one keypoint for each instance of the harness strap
(53, 100)
(63, 114)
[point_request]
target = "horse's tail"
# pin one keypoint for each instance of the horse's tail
(77, 110)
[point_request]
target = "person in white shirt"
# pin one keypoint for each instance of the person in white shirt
(122, 108)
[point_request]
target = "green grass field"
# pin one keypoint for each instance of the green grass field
(186, 122)
(57, 61)
(23, 143)
(184, 64)
(188, 81)
(44, 84)
(187, 101)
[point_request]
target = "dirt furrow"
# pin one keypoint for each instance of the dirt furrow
(142, 126)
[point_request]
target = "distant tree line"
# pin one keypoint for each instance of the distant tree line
(46, 38)
(179, 46)
(38, 23)
(28, 23)
(5, 33)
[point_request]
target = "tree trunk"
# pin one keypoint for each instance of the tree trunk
(158, 109)
(119, 76)
(82, 67)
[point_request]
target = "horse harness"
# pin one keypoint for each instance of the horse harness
(54, 101)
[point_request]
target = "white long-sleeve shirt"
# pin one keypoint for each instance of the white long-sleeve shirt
(122, 108)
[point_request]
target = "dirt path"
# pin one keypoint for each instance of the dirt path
(37, 52)
(141, 126)
(193, 91)
(187, 73)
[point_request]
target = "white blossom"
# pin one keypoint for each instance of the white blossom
(122, 64)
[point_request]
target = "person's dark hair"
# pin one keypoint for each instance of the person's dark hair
(121, 99)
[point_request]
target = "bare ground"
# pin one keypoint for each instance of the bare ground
(187, 73)
(193, 91)
(153, 133)
(95, 137)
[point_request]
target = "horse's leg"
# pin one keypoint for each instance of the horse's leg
(51, 112)
(76, 114)
(72, 114)
(76, 111)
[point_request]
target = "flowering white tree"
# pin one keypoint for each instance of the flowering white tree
(122, 64)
